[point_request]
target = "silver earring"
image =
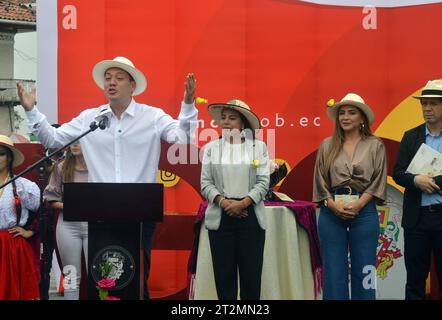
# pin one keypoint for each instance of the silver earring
(362, 126)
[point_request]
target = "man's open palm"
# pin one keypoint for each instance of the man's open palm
(27, 99)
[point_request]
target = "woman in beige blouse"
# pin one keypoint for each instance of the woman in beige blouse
(350, 177)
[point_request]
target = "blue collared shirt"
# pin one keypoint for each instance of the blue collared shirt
(434, 142)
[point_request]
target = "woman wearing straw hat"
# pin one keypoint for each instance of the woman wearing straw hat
(350, 177)
(235, 180)
(71, 236)
(18, 277)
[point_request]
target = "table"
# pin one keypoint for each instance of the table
(291, 268)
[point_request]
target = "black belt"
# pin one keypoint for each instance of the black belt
(345, 190)
(432, 208)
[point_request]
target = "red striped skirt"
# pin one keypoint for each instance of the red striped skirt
(18, 280)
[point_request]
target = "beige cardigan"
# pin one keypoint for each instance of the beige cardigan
(212, 179)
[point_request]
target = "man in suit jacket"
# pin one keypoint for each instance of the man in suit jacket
(422, 208)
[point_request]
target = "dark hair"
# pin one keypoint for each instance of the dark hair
(247, 127)
(9, 159)
(438, 98)
(17, 202)
(245, 121)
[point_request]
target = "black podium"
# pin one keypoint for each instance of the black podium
(115, 212)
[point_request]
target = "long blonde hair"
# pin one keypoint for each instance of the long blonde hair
(338, 139)
(68, 166)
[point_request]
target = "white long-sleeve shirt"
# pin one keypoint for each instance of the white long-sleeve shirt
(127, 151)
(29, 194)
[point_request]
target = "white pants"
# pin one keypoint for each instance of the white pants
(71, 237)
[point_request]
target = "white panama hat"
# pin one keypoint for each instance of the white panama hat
(433, 89)
(351, 99)
(121, 63)
(215, 110)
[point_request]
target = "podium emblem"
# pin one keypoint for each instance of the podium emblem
(116, 263)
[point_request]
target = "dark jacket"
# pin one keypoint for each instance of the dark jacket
(410, 143)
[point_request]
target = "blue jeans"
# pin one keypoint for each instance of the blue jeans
(359, 236)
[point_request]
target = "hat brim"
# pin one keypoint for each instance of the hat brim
(216, 109)
(101, 67)
(331, 111)
(19, 158)
(427, 96)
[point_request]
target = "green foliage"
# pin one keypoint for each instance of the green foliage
(105, 269)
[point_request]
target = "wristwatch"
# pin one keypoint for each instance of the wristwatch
(326, 203)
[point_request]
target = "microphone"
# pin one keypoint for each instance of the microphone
(103, 118)
(104, 123)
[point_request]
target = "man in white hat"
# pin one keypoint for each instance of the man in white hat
(129, 149)
(422, 208)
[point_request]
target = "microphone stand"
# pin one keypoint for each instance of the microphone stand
(92, 127)
(40, 164)
(46, 245)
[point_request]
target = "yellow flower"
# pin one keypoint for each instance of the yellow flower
(255, 163)
(330, 103)
(200, 100)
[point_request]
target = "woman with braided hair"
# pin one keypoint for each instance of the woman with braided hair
(18, 277)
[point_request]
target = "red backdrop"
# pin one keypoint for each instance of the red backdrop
(284, 58)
